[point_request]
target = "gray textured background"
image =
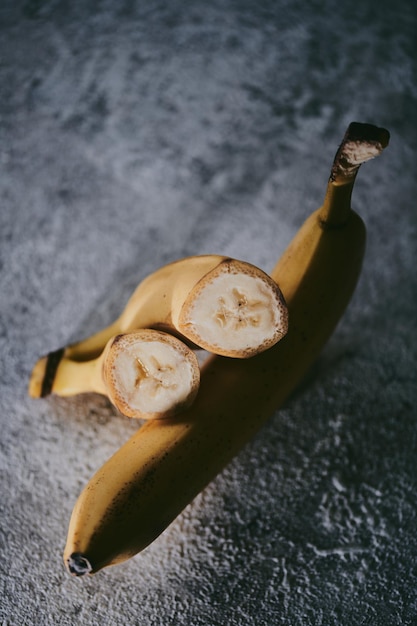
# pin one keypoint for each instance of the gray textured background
(135, 133)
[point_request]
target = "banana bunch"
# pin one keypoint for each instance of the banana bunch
(143, 361)
(142, 488)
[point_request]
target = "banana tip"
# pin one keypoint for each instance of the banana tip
(78, 565)
(43, 374)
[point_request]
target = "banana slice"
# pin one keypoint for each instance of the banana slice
(150, 374)
(236, 310)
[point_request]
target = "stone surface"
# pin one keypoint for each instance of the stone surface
(133, 134)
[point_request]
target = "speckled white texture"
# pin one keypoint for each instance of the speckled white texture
(135, 133)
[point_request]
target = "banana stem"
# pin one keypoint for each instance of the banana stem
(361, 143)
(336, 207)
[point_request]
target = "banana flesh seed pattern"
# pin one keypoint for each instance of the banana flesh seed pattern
(235, 313)
(150, 374)
(231, 309)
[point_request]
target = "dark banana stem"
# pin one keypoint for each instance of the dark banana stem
(361, 143)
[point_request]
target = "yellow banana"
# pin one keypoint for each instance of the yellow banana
(223, 305)
(148, 482)
(145, 373)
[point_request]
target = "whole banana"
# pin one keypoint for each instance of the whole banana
(141, 489)
(223, 305)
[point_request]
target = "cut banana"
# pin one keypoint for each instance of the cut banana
(236, 310)
(146, 374)
(222, 305)
(201, 298)
(135, 495)
(149, 374)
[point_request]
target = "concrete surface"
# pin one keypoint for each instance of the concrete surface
(134, 133)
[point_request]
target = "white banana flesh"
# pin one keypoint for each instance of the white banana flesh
(236, 311)
(149, 374)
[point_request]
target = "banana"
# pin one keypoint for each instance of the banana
(142, 488)
(149, 374)
(222, 305)
(146, 374)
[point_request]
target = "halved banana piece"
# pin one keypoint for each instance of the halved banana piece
(145, 373)
(150, 374)
(236, 310)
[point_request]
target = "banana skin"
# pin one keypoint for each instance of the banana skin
(142, 488)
